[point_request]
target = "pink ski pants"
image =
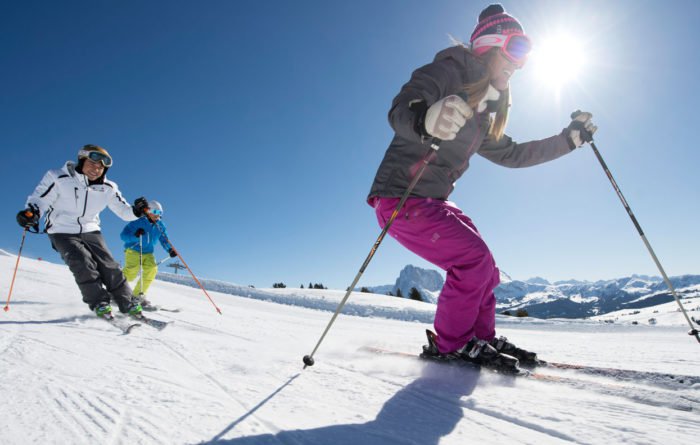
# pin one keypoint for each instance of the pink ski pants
(440, 233)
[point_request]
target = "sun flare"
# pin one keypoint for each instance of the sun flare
(558, 60)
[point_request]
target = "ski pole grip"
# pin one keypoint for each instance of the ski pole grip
(586, 135)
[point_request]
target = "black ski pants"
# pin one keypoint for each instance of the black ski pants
(97, 274)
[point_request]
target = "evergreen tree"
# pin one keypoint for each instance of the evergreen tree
(415, 295)
(365, 290)
(398, 293)
(521, 313)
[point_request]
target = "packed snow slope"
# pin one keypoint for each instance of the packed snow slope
(67, 377)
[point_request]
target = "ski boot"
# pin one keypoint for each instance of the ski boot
(135, 310)
(103, 310)
(145, 304)
(477, 352)
(482, 353)
(526, 358)
(431, 351)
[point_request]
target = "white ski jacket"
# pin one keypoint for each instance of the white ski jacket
(71, 205)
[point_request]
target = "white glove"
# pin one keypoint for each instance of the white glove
(491, 94)
(581, 121)
(446, 117)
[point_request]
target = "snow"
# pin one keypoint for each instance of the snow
(237, 378)
(663, 314)
(578, 298)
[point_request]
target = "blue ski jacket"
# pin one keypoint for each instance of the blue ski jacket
(153, 232)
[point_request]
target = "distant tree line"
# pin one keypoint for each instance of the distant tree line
(281, 285)
(519, 313)
(414, 294)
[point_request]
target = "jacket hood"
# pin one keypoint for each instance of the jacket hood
(473, 66)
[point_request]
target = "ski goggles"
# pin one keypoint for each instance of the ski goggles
(156, 212)
(515, 47)
(96, 156)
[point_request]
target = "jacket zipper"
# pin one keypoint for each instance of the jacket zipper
(84, 209)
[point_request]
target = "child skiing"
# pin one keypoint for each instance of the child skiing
(461, 101)
(70, 199)
(139, 238)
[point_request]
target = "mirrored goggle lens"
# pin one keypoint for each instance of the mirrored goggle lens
(157, 212)
(99, 157)
(518, 47)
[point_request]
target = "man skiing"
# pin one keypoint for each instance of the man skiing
(139, 238)
(461, 100)
(70, 199)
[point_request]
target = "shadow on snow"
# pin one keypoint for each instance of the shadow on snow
(422, 412)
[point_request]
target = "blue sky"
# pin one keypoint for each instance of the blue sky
(259, 127)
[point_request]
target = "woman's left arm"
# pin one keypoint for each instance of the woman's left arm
(511, 154)
(508, 153)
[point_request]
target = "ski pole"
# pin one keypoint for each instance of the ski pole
(188, 267)
(434, 146)
(141, 266)
(163, 261)
(587, 137)
(19, 254)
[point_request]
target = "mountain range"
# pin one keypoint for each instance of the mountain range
(560, 299)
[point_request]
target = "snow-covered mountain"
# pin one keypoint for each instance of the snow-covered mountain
(579, 299)
(427, 281)
(566, 299)
(236, 378)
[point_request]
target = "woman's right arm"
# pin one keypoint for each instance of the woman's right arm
(427, 85)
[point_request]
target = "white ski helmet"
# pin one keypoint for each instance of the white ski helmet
(155, 208)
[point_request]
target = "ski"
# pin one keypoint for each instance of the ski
(157, 324)
(456, 363)
(645, 395)
(123, 325)
(167, 309)
(672, 381)
(651, 377)
(155, 308)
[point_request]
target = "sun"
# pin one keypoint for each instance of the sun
(558, 60)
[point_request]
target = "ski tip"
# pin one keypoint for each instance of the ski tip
(130, 328)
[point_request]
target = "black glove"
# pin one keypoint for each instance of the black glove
(139, 232)
(28, 217)
(140, 206)
(172, 252)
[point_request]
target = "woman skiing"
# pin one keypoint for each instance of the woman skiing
(460, 101)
